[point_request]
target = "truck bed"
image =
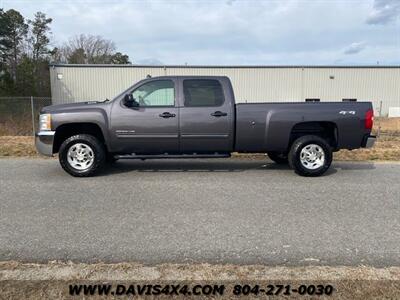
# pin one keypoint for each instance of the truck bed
(262, 127)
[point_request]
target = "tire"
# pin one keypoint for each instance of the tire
(90, 149)
(314, 147)
(279, 158)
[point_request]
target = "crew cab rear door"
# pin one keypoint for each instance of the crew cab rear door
(206, 116)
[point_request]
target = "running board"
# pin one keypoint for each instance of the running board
(159, 156)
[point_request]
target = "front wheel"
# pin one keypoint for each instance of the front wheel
(310, 155)
(82, 155)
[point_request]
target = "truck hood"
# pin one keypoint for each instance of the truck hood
(59, 108)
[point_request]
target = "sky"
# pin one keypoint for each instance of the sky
(232, 32)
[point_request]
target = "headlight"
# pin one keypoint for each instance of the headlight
(45, 122)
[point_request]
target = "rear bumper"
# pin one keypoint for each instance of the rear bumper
(369, 141)
(44, 142)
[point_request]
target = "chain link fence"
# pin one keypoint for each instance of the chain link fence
(19, 115)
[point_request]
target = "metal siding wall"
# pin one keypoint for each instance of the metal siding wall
(364, 84)
(95, 83)
(255, 84)
(266, 84)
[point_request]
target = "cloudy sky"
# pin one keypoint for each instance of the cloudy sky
(232, 32)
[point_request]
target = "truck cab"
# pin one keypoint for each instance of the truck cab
(174, 115)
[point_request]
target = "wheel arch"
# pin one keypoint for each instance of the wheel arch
(324, 129)
(65, 131)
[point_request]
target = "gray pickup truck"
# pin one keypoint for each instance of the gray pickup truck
(196, 117)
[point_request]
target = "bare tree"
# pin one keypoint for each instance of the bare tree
(88, 49)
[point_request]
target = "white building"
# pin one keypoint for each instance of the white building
(379, 84)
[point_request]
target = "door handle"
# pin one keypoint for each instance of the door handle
(219, 114)
(167, 115)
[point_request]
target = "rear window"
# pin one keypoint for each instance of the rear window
(203, 92)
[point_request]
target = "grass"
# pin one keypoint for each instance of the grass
(387, 125)
(13, 126)
(17, 146)
(50, 281)
(387, 148)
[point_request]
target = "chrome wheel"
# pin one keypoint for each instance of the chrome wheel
(80, 156)
(312, 156)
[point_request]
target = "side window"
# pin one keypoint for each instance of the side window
(155, 93)
(203, 92)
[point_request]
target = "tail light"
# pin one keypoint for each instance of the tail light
(369, 119)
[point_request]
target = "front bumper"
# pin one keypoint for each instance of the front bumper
(369, 141)
(44, 142)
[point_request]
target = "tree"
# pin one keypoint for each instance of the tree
(12, 34)
(25, 54)
(26, 77)
(40, 31)
(3, 47)
(39, 41)
(4, 43)
(55, 55)
(90, 49)
(77, 57)
(120, 59)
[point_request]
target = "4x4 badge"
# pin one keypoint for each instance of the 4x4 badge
(345, 112)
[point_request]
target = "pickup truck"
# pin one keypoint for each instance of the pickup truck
(196, 117)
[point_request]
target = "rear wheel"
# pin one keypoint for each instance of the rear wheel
(310, 155)
(82, 155)
(279, 158)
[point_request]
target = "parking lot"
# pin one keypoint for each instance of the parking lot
(218, 211)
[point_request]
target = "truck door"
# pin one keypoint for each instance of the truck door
(206, 117)
(151, 125)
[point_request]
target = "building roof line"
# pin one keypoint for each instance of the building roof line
(227, 67)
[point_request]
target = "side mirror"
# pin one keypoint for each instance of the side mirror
(129, 101)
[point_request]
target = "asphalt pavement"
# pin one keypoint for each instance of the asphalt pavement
(216, 211)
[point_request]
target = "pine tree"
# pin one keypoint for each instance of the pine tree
(40, 39)
(40, 52)
(12, 34)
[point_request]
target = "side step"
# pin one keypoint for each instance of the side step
(159, 156)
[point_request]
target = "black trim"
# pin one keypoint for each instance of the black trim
(147, 136)
(207, 136)
(163, 156)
